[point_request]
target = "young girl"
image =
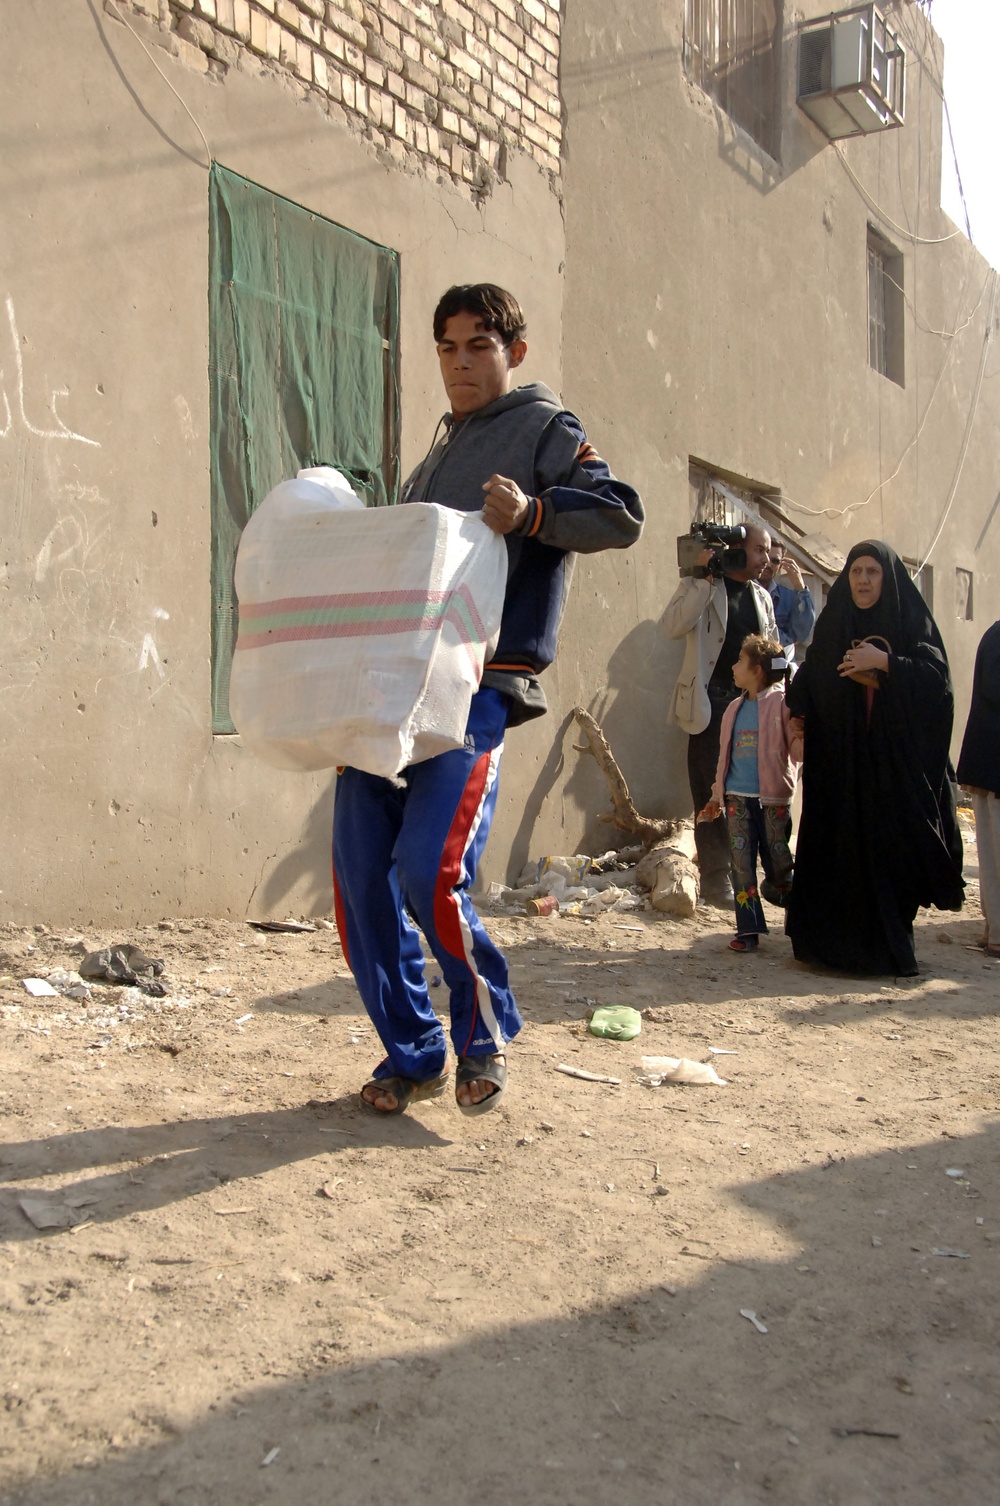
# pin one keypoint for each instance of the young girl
(757, 748)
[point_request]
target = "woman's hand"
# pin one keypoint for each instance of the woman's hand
(710, 812)
(865, 657)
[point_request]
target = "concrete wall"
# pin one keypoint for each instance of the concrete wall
(118, 802)
(716, 306)
(694, 297)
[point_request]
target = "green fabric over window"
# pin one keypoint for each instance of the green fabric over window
(303, 345)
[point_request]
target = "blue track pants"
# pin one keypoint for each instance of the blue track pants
(405, 856)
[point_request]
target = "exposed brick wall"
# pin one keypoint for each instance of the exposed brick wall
(443, 86)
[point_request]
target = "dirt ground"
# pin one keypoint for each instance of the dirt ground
(263, 1295)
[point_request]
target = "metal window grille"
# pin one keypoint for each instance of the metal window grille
(731, 50)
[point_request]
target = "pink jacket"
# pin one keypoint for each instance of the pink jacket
(778, 748)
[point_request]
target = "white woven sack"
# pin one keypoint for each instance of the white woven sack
(363, 631)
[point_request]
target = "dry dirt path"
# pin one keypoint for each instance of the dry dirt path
(263, 1295)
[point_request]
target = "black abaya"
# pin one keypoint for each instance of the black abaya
(878, 837)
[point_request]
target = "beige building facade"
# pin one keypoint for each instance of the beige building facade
(696, 272)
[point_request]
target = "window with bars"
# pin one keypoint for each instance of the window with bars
(885, 308)
(732, 50)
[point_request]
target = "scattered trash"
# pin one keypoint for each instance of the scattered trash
(526, 1140)
(615, 1022)
(70, 985)
(329, 1189)
(293, 926)
(48, 1215)
(547, 904)
(954, 1171)
(948, 1253)
(628, 928)
(751, 1316)
(243, 1019)
(577, 882)
(269, 1457)
(721, 1051)
(864, 1433)
(586, 1076)
(657, 1016)
(125, 964)
(658, 1070)
(39, 988)
(599, 900)
(572, 869)
(876, 1242)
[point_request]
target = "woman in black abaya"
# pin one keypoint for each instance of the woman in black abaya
(878, 836)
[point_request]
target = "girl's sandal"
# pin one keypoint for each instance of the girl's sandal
(743, 944)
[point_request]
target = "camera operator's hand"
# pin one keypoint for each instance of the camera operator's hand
(704, 561)
(790, 571)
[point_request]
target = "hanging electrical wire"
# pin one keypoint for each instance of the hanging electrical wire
(125, 22)
(969, 424)
(919, 240)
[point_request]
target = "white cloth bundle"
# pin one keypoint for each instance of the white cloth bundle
(363, 631)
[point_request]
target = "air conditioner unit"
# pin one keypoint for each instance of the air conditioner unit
(851, 73)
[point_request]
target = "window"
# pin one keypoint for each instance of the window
(732, 51)
(885, 307)
(923, 578)
(303, 346)
(963, 595)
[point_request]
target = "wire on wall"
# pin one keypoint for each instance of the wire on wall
(853, 507)
(968, 427)
(918, 240)
(183, 102)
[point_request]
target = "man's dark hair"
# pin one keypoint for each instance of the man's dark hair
(497, 308)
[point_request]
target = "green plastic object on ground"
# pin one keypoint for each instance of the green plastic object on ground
(616, 1022)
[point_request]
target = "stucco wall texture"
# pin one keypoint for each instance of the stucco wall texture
(118, 801)
(693, 297)
(716, 308)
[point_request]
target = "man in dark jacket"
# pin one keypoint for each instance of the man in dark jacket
(406, 851)
(979, 771)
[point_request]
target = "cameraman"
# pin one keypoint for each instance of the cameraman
(715, 614)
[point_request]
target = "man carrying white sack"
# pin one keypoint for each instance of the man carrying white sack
(406, 851)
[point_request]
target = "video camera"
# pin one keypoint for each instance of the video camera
(724, 543)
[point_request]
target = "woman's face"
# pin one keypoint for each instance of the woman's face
(865, 581)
